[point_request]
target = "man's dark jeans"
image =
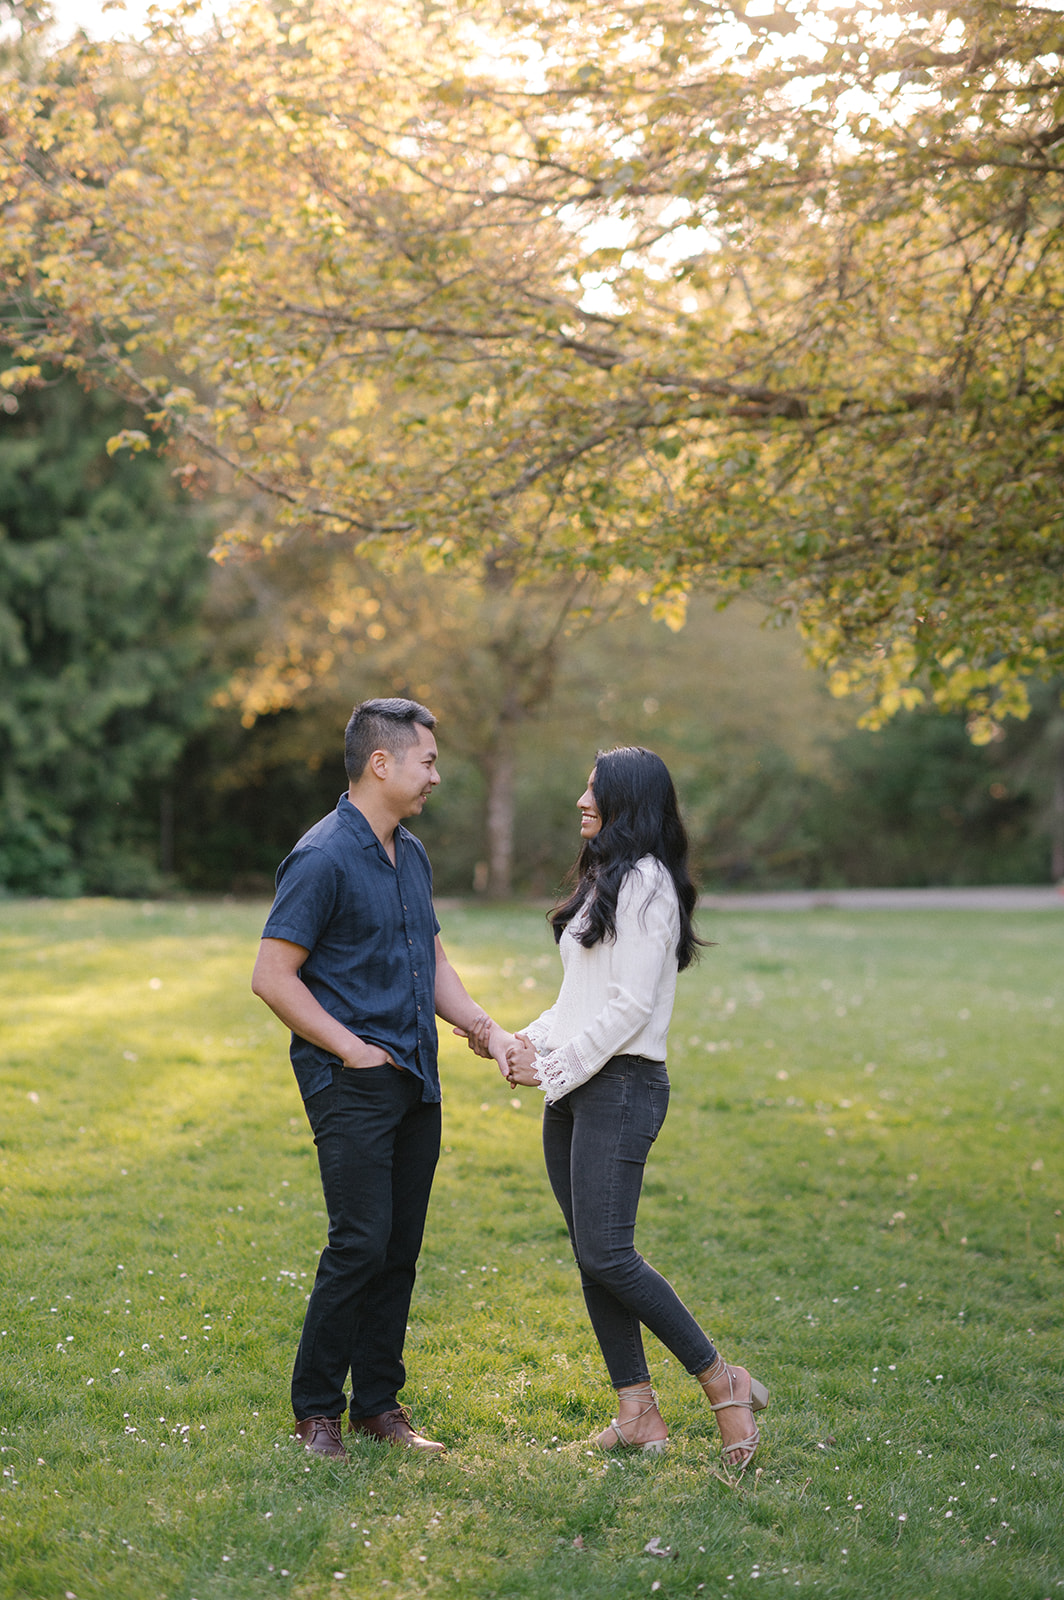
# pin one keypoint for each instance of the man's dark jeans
(596, 1141)
(378, 1144)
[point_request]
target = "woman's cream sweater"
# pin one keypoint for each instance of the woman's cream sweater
(616, 997)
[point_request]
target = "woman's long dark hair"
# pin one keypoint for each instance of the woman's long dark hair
(635, 798)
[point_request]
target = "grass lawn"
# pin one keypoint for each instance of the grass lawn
(858, 1190)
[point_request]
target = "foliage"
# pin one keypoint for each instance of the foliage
(778, 787)
(709, 696)
(855, 1187)
(102, 575)
(307, 625)
(718, 300)
(916, 803)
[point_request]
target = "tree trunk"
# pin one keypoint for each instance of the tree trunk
(166, 833)
(523, 684)
(499, 769)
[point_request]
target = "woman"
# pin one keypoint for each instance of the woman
(599, 1053)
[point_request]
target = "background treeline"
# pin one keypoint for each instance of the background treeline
(166, 722)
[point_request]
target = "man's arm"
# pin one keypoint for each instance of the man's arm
(276, 980)
(454, 1005)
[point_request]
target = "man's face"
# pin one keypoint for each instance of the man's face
(411, 775)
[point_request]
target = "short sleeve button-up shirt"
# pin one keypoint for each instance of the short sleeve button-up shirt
(369, 930)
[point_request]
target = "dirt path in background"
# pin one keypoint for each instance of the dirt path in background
(1021, 898)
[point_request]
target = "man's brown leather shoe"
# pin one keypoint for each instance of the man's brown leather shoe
(321, 1436)
(394, 1428)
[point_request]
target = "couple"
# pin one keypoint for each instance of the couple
(351, 962)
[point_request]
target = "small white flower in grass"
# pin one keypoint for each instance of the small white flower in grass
(339, 1574)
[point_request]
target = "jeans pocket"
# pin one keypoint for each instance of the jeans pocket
(658, 1096)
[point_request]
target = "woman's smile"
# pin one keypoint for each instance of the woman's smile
(590, 820)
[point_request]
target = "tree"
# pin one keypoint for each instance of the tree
(312, 627)
(719, 301)
(743, 728)
(102, 574)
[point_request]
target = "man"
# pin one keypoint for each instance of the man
(351, 961)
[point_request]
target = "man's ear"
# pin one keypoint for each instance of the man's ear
(378, 763)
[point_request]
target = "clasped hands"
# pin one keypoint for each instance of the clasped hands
(513, 1053)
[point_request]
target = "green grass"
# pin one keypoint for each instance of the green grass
(858, 1190)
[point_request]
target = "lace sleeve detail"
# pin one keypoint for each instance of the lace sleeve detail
(537, 1031)
(561, 1071)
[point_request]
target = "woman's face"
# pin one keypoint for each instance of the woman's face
(590, 821)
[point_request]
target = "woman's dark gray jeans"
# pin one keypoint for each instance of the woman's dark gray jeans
(596, 1141)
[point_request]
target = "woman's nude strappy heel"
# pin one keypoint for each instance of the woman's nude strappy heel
(653, 1447)
(743, 1449)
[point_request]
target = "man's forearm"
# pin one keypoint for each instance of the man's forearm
(292, 1002)
(453, 1003)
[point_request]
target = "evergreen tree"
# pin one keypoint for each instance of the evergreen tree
(103, 569)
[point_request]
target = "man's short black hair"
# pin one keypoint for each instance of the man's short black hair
(382, 725)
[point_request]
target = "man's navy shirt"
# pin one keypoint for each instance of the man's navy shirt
(370, 931)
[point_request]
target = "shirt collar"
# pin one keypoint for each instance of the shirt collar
(352, 817)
